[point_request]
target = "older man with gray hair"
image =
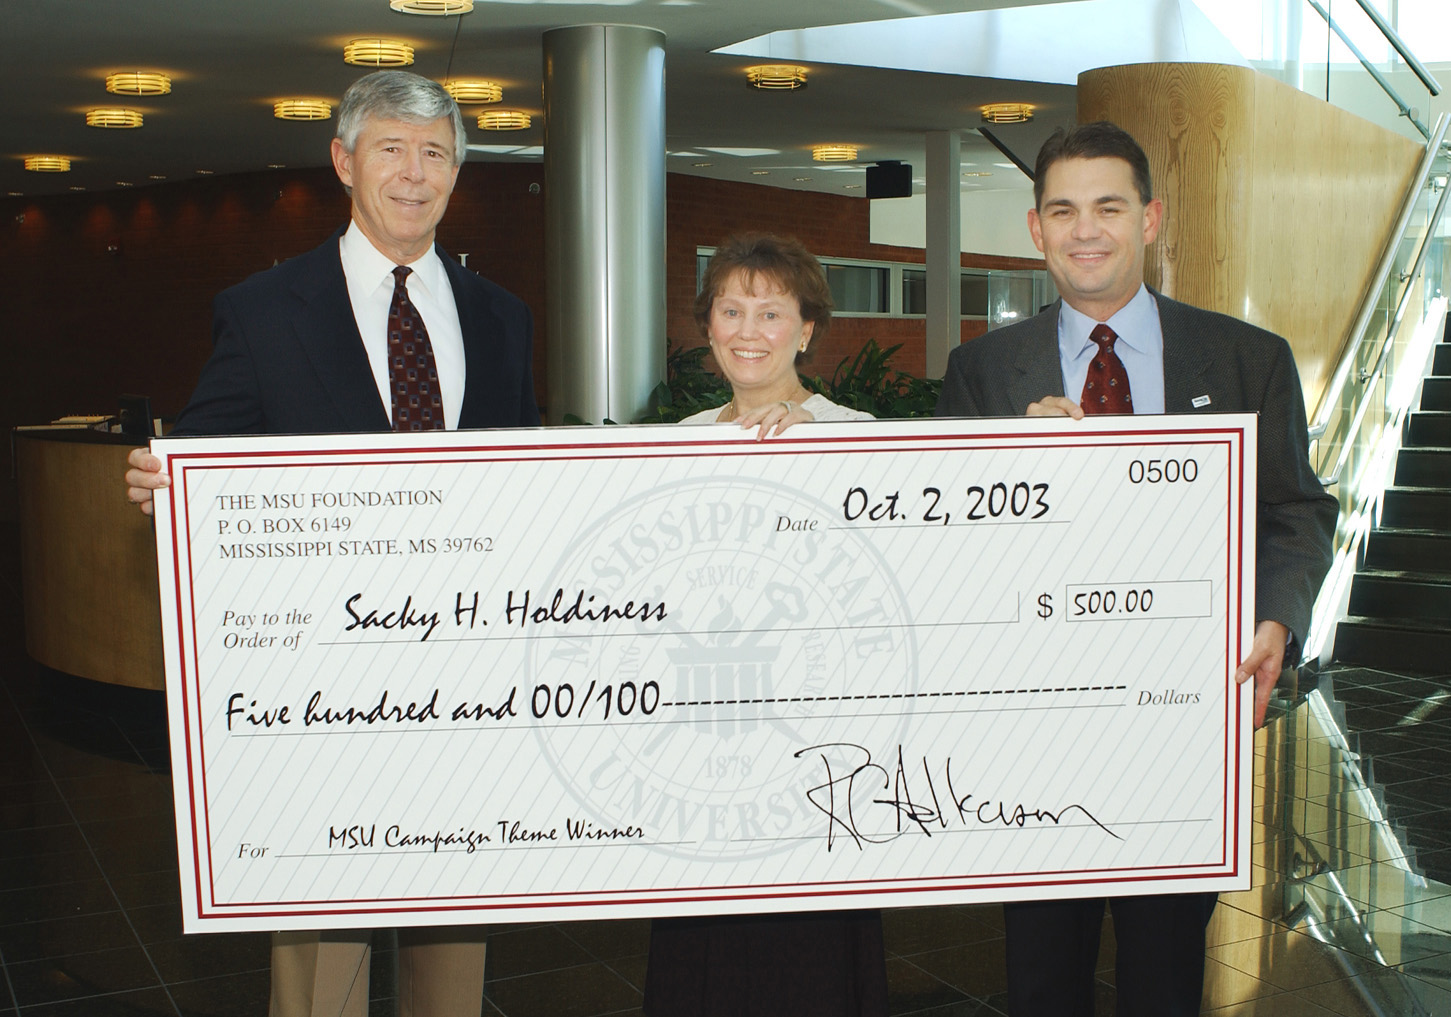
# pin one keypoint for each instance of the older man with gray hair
(375, 330)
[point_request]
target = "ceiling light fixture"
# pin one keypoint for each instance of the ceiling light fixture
(113, 116)
(801, 180)
(776, 77)
(760, 173)
(505, 120)
(157, 176)
(205, 173)
(474, 90)
(1007, 113)
(138, 83)
(48, 163)
(834, 153)
(302, 109)
(277, 165)
(124, 183)
(702, 165)
(977, 173)
(378, 53)
(77, 187)
(437, 7)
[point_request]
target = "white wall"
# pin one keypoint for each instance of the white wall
(993, 222)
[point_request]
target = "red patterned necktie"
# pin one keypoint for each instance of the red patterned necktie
(412, 373)
(1106, 389)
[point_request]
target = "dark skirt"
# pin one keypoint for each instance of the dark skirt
(815, 964)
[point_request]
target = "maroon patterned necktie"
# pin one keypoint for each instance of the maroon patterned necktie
(1106, 389)
(412, 374)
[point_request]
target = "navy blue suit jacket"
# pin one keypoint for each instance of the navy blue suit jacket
(287, 357)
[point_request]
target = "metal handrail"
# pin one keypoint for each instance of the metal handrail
(1338, 380)
(1380, 79)
(1393, 37)
(1368, 378)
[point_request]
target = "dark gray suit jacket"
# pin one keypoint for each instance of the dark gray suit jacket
(287, 357)
(1240, 368)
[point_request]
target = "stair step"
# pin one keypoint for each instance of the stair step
(1389, 549)
(1441, 359)
(1402, 595)
(1436, 394)
(1423, 466)
(1388, 645)
(1429, 427)
(1417, 508)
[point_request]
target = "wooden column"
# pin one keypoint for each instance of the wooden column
(1277, 205)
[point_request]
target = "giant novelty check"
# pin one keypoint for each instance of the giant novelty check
(621, 671)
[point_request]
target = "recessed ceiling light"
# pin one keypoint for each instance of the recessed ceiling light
(801, 180)
(157, 176)
(776, 77)
(277, 165)
(138, 83)
(48, 163)
(852, 187)
(834, 153)
(205, 173)
(505, 120)
(744, 153)
(302, 109)
(124, 183)
(702, 165)
(16, 194)
(1007, 113)
(378, 53)
(760, 173)
(441, 7)
(113, 116)
(77, 187)
(474, 90)
(977, 173)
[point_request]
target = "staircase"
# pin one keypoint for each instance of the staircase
(1400, 599)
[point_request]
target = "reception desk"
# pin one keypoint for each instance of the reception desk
(88, 558)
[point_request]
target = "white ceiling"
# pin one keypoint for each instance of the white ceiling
(230, 61)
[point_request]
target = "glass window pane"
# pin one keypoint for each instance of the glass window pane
(859, 289)
(1010, 298)
(914, 291)
(974, 295)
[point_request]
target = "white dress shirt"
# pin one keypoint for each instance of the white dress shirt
(1140, 346)
(369, 274)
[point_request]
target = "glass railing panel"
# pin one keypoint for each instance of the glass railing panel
(1346, 882)
(1350, 882)
(1356, 419)
(1297, 42)
(1367, 92)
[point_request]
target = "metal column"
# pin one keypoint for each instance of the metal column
(944, 248)
(604, 188)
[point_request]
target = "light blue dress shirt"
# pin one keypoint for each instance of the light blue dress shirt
(1140, 346)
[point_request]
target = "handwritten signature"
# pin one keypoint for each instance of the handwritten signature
(837, 799)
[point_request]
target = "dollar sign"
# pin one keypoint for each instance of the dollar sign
(1045, 606)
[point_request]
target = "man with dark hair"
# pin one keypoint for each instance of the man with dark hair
(375, 330)
(1112, 345)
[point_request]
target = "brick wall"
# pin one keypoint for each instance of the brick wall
(111, 292)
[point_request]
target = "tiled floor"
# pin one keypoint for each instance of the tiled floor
(89, 914)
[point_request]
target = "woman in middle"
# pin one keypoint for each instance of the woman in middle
(762, 302)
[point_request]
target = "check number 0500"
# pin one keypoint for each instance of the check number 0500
(1163, 471)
